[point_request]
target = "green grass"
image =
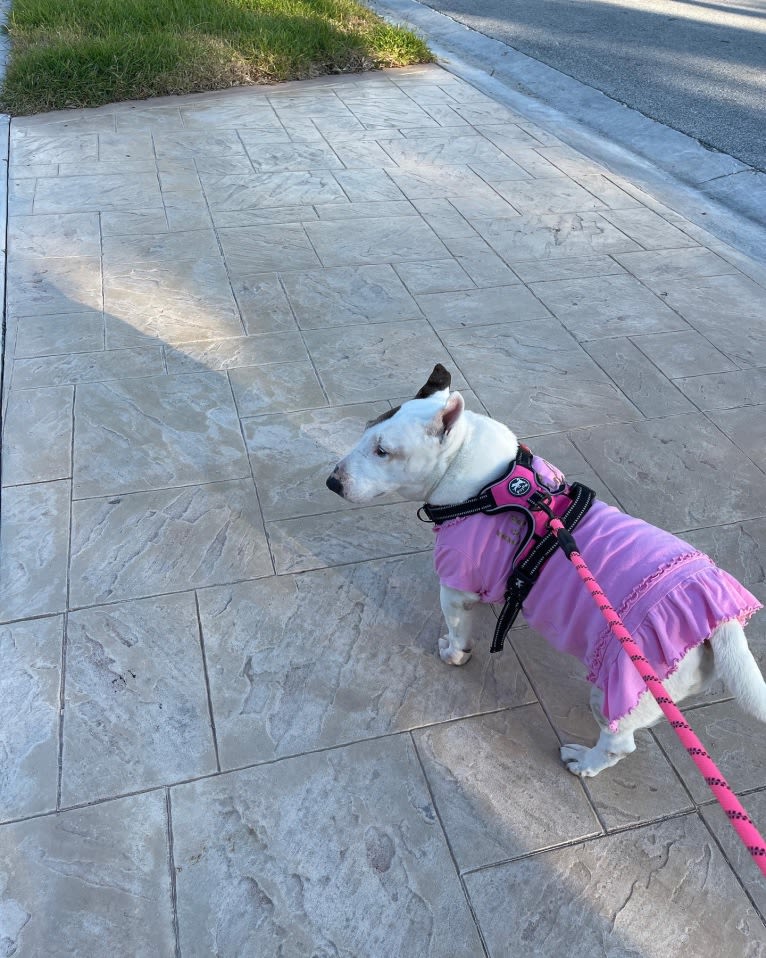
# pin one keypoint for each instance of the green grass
(75, 53)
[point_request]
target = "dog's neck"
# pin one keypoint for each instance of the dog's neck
(486, 448)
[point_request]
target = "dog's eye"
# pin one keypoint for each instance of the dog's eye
(380, 451)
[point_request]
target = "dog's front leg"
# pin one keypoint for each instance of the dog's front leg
(455, 647)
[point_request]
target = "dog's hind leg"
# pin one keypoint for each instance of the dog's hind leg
(693, 674)
(457, 607)
(735, 664)
(611, 747)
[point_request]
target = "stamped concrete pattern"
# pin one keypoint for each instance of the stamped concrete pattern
(288, 676)
(677, 863)
(134, 660)
(224, 726)
(31, 678)
(76, 881)
(279, 875)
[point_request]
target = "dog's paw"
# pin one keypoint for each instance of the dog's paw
(450, 654)
(579, 760)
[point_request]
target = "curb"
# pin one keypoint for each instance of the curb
(715, 191)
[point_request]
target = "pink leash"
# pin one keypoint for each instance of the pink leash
(740, 820)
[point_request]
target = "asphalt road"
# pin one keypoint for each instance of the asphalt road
(698, 66)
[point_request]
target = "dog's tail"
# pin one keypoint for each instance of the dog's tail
(739, 670)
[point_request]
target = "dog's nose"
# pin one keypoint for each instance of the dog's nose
(334, 484)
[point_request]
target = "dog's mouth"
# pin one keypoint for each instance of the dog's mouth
(337, 485)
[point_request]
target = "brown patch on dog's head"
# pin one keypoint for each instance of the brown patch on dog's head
(439, 379)
(382, 417)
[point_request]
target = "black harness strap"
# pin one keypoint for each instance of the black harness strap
(483, 502)
(524, 576)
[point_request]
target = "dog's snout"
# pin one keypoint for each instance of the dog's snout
(334, 484)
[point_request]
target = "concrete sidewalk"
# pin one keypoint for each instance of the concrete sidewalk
(224, 726)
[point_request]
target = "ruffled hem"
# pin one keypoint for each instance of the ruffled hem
(743, 618)
(630, 600)
(695, 607)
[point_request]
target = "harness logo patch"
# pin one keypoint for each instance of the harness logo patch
(519, 486)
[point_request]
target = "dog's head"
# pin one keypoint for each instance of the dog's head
(407, 449)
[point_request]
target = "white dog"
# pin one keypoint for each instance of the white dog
(685, 613)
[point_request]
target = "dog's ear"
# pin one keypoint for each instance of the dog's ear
(448, 415)
(439, 379)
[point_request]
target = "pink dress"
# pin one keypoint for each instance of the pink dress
(670, 596)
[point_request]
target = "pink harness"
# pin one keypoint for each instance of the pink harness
(536, 498)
